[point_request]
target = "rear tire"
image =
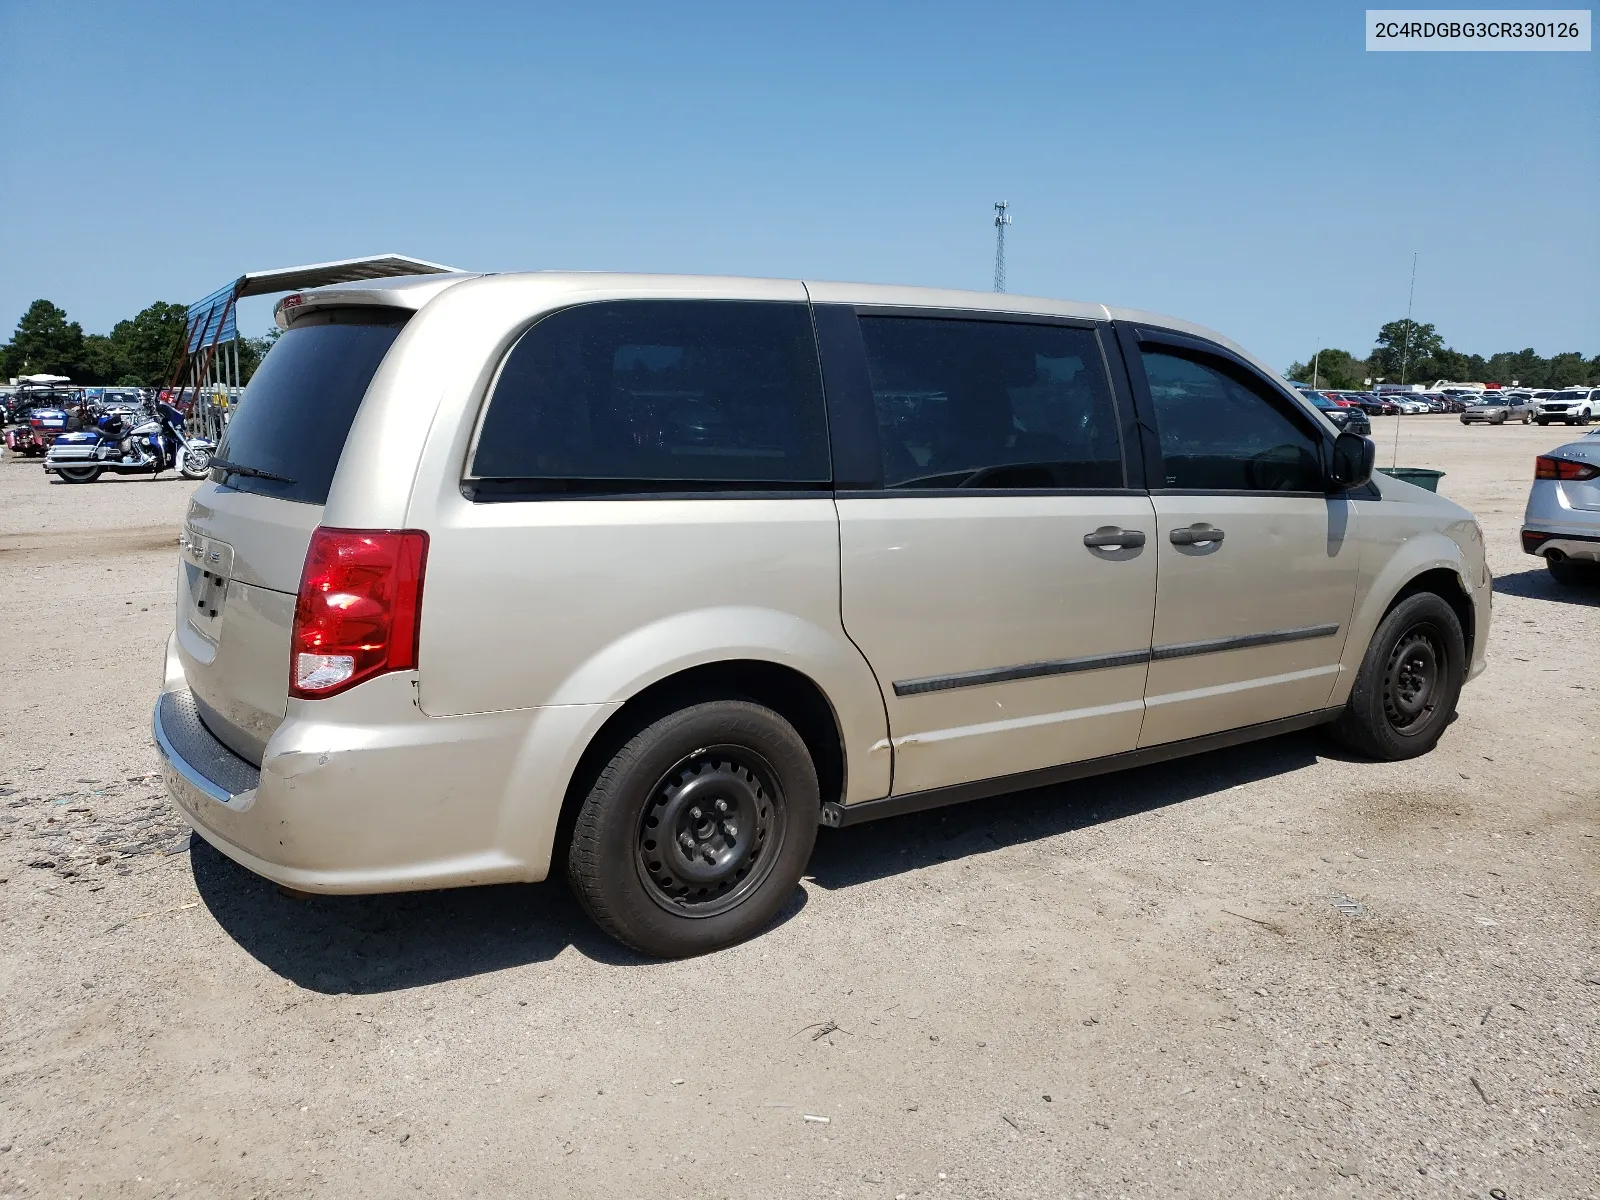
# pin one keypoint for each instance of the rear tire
(1409, 681)
(696, 833)
(1572, 574)
(78, 474)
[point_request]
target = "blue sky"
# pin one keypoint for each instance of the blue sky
(1249, 167)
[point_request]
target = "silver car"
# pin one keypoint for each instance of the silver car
(1562, 522)
(645, 578)
(1498, 408)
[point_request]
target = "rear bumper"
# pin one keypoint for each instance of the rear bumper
(363, 793)
(1585, 547)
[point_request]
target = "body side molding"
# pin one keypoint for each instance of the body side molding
(1101, 662)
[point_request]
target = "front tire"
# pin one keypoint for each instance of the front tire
(695, 834)
(78, 474)
(1406, 690)
(194, 464)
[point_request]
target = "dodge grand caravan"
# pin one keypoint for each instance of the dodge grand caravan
(646, 578)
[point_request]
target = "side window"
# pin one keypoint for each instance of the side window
(991, 404)
(1220, 434)
(672, 392)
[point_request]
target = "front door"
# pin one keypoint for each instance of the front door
(1000, 578)
(1256, 562)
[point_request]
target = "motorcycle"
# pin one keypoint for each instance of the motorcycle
(120, 442)
(39, 427)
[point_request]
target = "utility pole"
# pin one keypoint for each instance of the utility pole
(1002, 218)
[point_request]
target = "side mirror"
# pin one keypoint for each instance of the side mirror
(1352, 461)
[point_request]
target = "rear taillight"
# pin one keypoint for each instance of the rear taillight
(1548, 467)
(357, 612)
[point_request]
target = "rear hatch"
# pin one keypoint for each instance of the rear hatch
(247, 530)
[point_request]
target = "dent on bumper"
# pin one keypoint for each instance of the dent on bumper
(369, 795)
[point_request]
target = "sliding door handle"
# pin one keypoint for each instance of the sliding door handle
(1197, 535)
(1109, 537)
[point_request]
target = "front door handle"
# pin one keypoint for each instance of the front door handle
(1109, 537)
(1197, 535)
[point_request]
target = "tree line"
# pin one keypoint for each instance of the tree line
(1409, 352)
(138, 352)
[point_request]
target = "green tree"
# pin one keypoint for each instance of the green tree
(146, 345)
(1567, 370)
(253, 350)
(99, 363)
(1331, 368)
(45, 343)
(1522, 366)
(1403, 345)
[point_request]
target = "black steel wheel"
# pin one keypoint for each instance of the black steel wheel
(694, 833)
(699, 847)
(1412, 677)
(1408, 683)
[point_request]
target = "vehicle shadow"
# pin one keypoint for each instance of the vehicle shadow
(847, 857)
(368, 944)
(1537, 584)
(371, 944)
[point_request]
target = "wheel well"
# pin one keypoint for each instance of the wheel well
(1445, 584)
(791, 695)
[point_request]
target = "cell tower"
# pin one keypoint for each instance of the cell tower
(1002, 218)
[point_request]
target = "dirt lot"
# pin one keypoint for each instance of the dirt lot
(1138, 986)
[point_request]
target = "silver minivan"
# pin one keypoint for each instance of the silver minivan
(648, 577)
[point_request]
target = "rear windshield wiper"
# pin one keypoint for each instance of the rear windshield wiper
(233, 468)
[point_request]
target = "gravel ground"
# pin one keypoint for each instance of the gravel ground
(1266, 971)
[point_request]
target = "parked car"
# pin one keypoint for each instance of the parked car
(1412, 405)
(1496, 409)
(1575, 406)
(1562, 521)
(647, 577)
(1350, 418)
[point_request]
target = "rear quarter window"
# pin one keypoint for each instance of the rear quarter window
(297, 411)
(657, 395)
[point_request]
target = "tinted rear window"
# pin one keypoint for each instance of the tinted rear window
(298, 409)
(672, 395)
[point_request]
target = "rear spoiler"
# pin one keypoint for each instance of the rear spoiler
(409, 292)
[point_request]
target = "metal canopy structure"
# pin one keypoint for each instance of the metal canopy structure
(209, 354)
(346, 270)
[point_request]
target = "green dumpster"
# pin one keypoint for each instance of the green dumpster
(1421, 476)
